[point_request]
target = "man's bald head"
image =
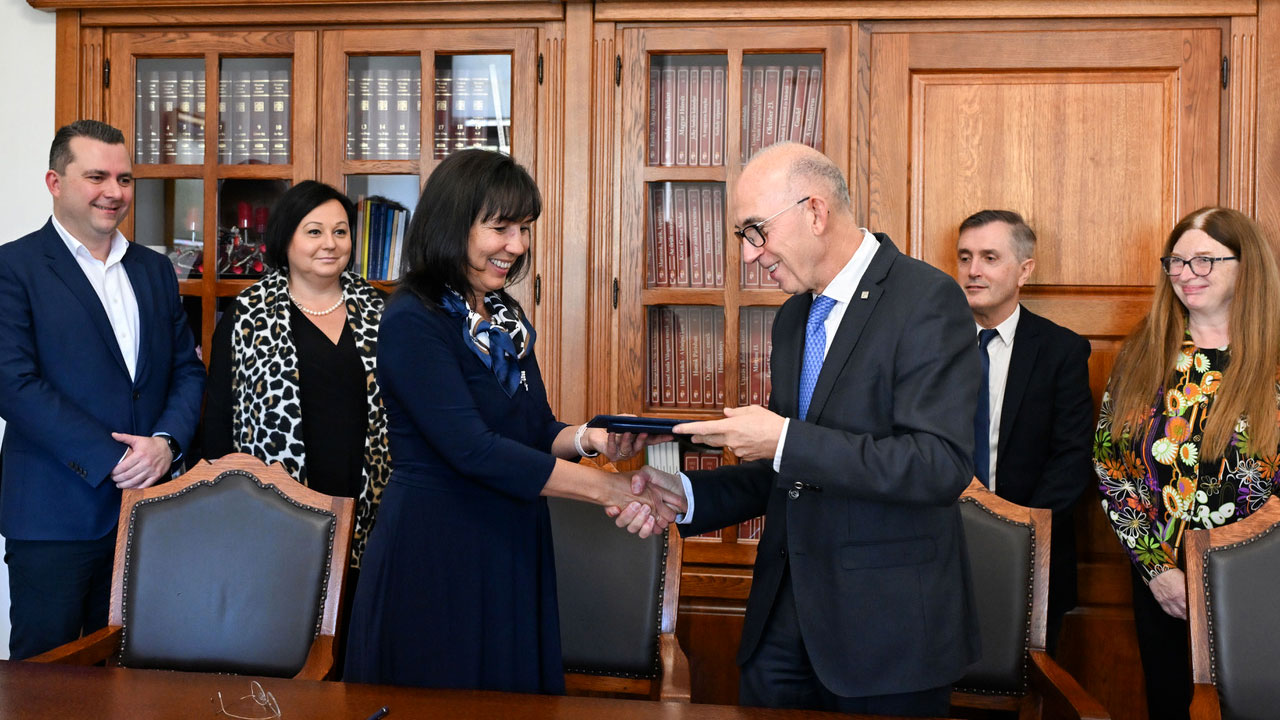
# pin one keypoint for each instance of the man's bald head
(803, 171)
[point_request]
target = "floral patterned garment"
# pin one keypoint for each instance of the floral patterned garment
(1157, 486)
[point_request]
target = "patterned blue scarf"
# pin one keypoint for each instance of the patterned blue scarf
(500, 343)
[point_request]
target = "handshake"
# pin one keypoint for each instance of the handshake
(654, 500)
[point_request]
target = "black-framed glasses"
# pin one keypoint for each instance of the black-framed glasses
(754, 233)
(1201, 265)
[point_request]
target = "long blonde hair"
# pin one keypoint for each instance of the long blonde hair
(1248, 383)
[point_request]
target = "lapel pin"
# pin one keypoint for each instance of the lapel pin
(864, 294)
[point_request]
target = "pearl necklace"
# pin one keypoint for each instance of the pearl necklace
(317, 313)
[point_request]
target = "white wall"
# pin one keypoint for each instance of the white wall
(27, 42)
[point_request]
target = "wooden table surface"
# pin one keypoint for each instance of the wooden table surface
(31, 690)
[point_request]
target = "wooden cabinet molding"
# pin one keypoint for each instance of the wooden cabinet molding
(829, 10)
(175, 13)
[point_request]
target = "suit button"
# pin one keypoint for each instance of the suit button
(782, 553)
(793, 494)
(136, 394)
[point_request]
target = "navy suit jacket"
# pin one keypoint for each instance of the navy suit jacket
(863, 512)
(1043, 457)
(64, 387)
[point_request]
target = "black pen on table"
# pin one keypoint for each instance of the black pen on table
(379, 713)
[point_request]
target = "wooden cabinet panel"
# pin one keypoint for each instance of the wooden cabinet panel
(1102, 137)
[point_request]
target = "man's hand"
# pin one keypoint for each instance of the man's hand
(1170, 589)
(751, 432)
(146, 461)
(649, 482)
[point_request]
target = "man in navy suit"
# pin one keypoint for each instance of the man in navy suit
(99, 384)
(1033, 446)
(860, 598)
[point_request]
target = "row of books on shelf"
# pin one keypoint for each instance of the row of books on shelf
(686, 356)
(378, 244)
(686, 115)
(686, 236)
(384, 107)
(253, 117)
(686, 239)
(784, 103)
(469, 111)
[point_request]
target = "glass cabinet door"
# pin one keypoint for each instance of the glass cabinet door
(694, 319)
(477, 88)
(215, 143)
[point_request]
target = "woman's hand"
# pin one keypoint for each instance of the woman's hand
(1170, 590)
(621, 446)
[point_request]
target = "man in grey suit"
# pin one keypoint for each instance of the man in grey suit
(860, 600)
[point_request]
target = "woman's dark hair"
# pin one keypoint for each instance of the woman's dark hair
(466, 187)
(289, 211)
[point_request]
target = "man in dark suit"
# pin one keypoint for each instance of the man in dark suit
(860, 600)
(1032, 435)
(99, 384)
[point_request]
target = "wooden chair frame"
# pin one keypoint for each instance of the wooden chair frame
(673, 683)
(104, 645)
(1205, 703)
(1048, 683)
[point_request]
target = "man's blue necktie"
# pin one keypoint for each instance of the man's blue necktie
(982, 418)
(815, 346)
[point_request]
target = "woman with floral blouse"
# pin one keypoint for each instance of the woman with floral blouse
(1188, 434)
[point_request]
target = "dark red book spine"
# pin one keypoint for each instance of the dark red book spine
(695, 118)
(682, 357)
(682, 116)
(719, 334)
(757, 357)
(655, 357)
(668, 355)
(694, 216)
(796, 122)
(717, 116)
(658, 241)
(768, 314)
(709, 342)
(709, 241)
(668, 115)
(717, 207)
(693, 329)
(681, 226)
(655, 115)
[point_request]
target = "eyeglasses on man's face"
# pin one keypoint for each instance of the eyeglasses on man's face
(1200, 265)
(754, 233)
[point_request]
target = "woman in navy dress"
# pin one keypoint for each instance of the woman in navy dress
(458, 584)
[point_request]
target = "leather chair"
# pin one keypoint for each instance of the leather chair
(1008, 548)
(233, 567)
(618, 601)
(1233, 584)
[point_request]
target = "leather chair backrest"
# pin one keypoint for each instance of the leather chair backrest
(610, 587)
(1000, 560)
(1242, 587)
(225, 576)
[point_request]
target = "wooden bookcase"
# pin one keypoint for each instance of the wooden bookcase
(1101, 122)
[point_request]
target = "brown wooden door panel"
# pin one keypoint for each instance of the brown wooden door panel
(1102, 138)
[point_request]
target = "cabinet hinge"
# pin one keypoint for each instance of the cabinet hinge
(617, 70)
(615, 293)
(106, 73)
(539, 68)
(1226, 71)
(537, 289)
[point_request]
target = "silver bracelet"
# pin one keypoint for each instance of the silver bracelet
(577, 442)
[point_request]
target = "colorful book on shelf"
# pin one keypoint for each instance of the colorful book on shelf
(694, 110)
(694, 218)
(682, 356)
(380, 114)
(655, 115)
(281, 101)
(240, 116)
(693, 330)
(666, 336)
(682, 116)
(404, 124)
(717, 115)
(260, 116)
(709, 239)
(168, 116)
(442, 103)
(681, 236)
(668, 115)
(708, 362)
(186, 149)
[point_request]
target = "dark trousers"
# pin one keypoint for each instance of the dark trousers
(779, 675)
(58, 590)
(1166, 655)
